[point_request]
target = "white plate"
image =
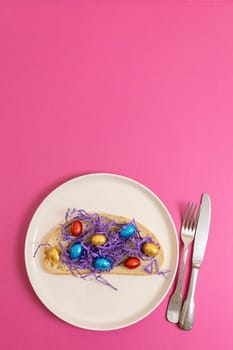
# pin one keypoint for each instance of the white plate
(90, 304)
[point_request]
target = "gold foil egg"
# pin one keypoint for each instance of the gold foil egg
(150, 249)
(54, 255)
(98, 239)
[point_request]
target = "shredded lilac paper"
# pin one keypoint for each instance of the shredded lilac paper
(41, 245)
(116, 249)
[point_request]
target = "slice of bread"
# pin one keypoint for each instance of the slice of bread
(57, 267)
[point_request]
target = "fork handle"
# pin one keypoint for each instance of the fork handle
(175, 303)
(181, 275)
(188, 309)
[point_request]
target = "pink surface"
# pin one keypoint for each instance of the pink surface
(138, 88)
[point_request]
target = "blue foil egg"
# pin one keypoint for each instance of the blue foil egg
(102, 264)
(76, 251)
(127, 231)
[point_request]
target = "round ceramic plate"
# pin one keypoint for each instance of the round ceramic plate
(87, 303)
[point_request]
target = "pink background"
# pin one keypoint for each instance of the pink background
(138, 88)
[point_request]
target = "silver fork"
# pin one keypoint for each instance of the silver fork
(188, 228)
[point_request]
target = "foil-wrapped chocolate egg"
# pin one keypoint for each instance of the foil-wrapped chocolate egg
(102, 264)
(132, 262)
(150, 249)
(98, 239)
(54, 255)
(76, 228)
(127, 231)
(76, 251)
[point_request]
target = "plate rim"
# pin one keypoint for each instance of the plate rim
(125, 178)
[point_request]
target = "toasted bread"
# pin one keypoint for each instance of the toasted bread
(56, 266)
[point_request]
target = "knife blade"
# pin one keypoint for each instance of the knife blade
(200, 242)
(202, 230)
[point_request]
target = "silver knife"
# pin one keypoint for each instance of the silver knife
(187, 313)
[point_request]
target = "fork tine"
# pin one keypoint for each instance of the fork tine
(190, 216)
(192, 222)
(186, 214)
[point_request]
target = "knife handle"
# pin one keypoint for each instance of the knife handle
(188, 309)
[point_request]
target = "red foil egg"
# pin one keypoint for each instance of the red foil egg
(132, 263)
(76, 228)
